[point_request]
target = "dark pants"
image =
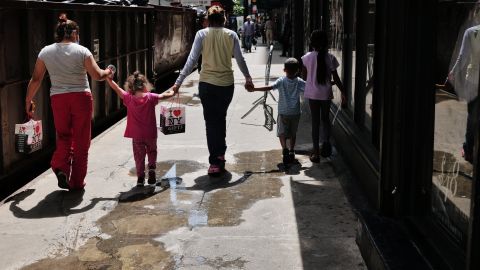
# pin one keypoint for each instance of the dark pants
(248, 42)
(285, 47)
(215, 101)
(320, 110)
(470, 132)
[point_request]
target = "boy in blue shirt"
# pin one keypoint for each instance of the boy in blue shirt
(289, 88)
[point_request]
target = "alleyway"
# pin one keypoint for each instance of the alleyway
(261, 218)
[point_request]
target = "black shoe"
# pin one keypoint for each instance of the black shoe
(326, 150)
(140, 181)
(62, 179)
(152, 177)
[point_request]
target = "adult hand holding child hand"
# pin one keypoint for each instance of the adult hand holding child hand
(249, 84)
(175, 88)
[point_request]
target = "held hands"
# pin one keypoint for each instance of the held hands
(249, 84)
(111, 69)
(175, 88)
(167, 94)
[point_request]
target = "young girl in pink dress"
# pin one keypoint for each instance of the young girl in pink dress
(319, 68)
(141, 122)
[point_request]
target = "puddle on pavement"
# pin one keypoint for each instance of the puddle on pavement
(132, 226)
(183, 167)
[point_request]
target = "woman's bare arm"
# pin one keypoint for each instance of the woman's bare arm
(94, 70)
(34, 84)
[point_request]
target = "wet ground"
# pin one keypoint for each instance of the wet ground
(257, 216)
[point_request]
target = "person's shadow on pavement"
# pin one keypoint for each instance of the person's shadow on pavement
(207, 183)
(140, 193)
(56, 204)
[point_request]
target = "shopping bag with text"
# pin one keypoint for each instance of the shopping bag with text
(172, 119)
(28, 136)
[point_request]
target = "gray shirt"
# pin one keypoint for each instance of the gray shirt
(65, 63)
(248, 29)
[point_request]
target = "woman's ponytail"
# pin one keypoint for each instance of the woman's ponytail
(65, 28)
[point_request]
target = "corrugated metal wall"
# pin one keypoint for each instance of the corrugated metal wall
(153, 40)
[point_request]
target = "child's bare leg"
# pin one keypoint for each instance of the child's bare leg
(292, 142)
(283, 141)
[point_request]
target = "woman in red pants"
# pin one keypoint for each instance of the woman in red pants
(67, 63)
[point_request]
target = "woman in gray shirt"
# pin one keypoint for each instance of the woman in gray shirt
(67, 64)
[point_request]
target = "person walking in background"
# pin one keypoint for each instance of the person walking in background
(249, 33)
(217, 45)
(464, 77)
(141, 122)
(269, 27)
(319, 67)
(286, 35)
(289, 89)
(262, 32)
(67, 64)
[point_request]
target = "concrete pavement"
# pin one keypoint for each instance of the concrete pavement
(260, 218)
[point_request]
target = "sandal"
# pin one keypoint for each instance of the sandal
(315, 158)
(326, 150)
(215, 170)
(222, 161)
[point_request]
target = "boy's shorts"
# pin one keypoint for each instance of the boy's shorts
(287, 125)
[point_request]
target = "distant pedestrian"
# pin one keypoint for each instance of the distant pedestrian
(262, 32)
(269, 31)
(286, 35)
(217, 45)
(71, 100)
(141, 122)
(289, 88)
(249, 33)
(319, 67)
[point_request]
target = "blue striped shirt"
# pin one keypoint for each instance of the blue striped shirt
(289, 94)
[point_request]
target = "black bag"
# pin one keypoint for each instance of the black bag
(254, 41)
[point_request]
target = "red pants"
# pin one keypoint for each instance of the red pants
(72, 115)
(142, 147)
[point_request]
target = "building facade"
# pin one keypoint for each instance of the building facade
(404, 129)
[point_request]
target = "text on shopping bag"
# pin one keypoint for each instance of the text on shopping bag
(28, 136)
(172, 119)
